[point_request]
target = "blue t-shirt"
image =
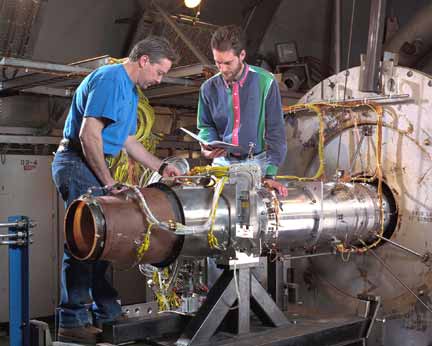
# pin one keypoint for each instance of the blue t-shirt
(108, 93)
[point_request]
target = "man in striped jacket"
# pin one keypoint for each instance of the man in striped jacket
(242, 105)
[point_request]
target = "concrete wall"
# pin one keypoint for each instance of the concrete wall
(80, 29)
(311, 24)
(305, 23)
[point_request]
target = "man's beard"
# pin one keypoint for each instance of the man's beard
(234, 75)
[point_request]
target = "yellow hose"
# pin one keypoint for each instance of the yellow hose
(217, 171)
(124, 170)
(212, 240)
(317, 108)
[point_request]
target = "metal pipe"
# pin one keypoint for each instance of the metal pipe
(400, 246)
(19, 294)
(12, 242)
(287, 257)
(370, 69)
(313, 214)
(18, 224)
(9, 224)
(44, 66)
(386, 266)
(337, 39)
(12, 236)
(358, 149)
(192, 20)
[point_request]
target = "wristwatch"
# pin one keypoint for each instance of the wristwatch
(162, 168)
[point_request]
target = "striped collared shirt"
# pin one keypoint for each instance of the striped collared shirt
(247, 111)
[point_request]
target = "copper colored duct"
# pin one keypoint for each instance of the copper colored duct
(113, 227)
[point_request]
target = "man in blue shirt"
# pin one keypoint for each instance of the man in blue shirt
(242, 105)
(102, 121)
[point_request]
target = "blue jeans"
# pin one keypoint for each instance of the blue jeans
(81, 282)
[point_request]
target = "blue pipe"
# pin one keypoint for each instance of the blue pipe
(19, 327)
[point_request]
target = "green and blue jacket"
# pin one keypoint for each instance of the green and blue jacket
(248, 111)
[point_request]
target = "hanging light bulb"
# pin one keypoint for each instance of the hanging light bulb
(192, 3)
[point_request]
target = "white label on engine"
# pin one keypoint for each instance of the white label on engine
(244, 231)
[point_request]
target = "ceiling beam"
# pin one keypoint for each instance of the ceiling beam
(200, 56)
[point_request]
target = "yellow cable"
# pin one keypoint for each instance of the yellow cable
(145, 121)
(317, 109)
(212, 240)
(160, 291)
(217, 171)
(145, 244)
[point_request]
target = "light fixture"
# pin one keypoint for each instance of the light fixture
(192, 3)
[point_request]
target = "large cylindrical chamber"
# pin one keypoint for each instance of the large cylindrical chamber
(317, 214)
(313, 215)
(196, 205)
(114, 228)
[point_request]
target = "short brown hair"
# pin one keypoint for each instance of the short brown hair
(155, 47)
(229, 37)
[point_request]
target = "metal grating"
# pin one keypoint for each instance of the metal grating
(16, 21)
(199, 35)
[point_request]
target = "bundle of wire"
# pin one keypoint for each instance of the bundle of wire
(125, 170)
(319, 109)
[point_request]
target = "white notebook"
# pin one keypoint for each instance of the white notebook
(216, 144)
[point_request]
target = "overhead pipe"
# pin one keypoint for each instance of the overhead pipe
(337, 33)
(370, 68)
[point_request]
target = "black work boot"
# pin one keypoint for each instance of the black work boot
(88, 334)
(121, 318)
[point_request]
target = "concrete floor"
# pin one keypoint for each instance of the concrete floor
(4, 339)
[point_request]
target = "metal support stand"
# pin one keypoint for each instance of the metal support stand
(371, 306)
(223, 299)
(221, 310)
(18, 240)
